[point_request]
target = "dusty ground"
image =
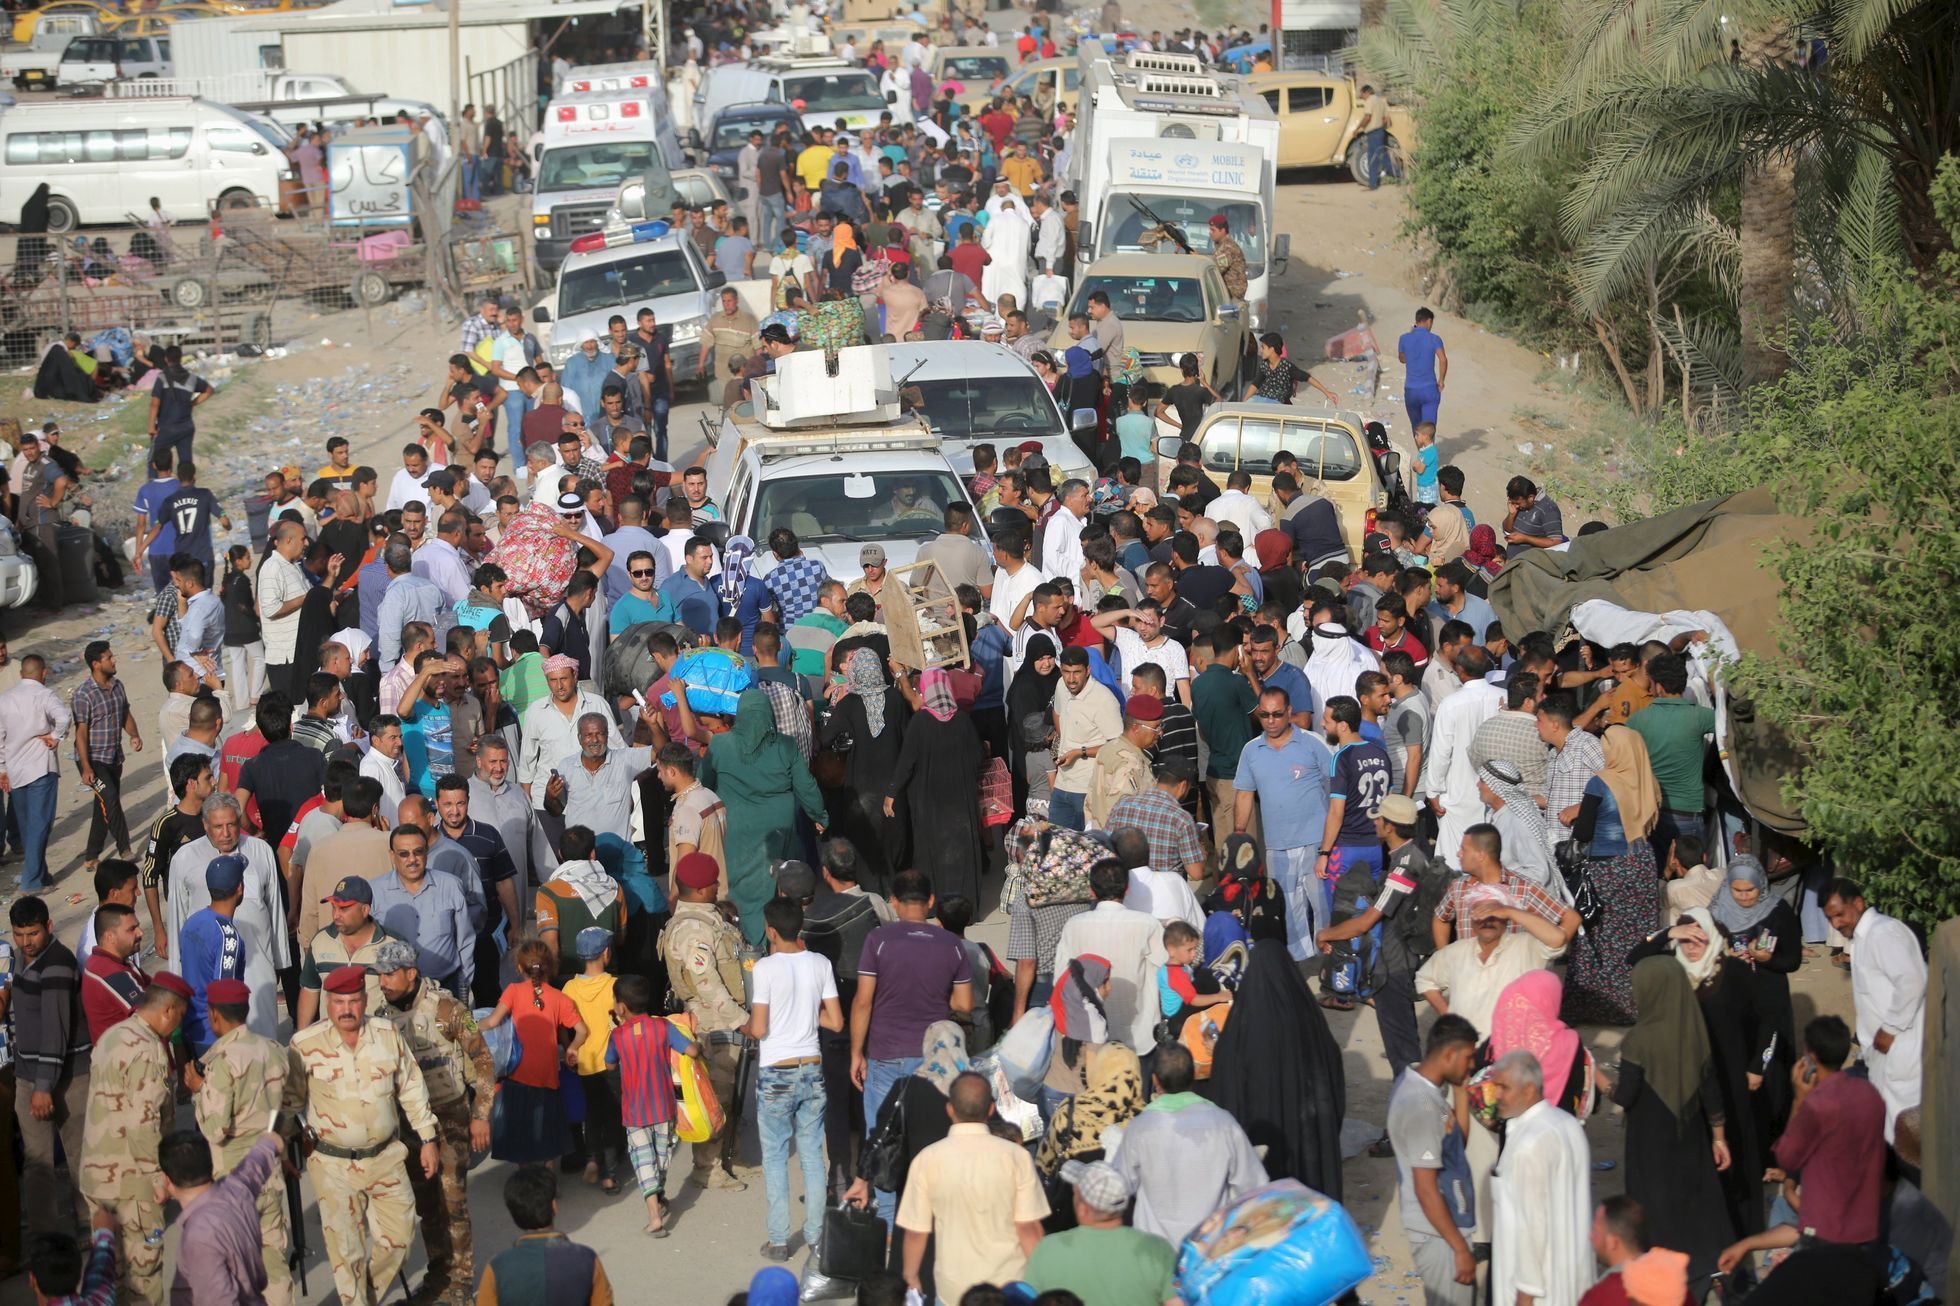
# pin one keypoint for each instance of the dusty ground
(363, 378)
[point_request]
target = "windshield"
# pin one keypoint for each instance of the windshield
(839, 90)
(733, 134)
(654, 274)
(1147, 299)
(986, 68)
(599, 165)
(983, 407)
(873, 506)
(1124, 231)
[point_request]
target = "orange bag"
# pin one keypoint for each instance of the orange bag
(698, 1114)
(1200, 1035)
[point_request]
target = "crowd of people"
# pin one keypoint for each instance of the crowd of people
(538, 815)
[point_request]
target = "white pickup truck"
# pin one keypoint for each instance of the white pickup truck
(32, 67)
(288, 98)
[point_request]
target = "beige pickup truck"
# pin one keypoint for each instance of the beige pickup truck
(1320, 122)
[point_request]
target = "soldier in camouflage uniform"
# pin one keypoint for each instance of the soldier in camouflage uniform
(455, 1062)
(244, 1088)
(1229, 255)
(130, 1094)
(703, 952)
(358, 1080)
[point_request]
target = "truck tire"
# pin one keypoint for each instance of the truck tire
(62, 216)
(1357, 160)
(190, 293)
(369, 289)
(238, 199)
(256, 331)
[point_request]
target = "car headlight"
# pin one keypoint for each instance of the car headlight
(540, 221)
(686, 331)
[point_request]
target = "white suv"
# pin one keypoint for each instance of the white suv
(98, 59)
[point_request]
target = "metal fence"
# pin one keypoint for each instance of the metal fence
(171, 285)
(513, 88)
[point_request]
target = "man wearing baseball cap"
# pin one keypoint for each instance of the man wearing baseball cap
(239, 1086)
(872, 559)
(454, 1059)
(210, 947)
(352, 936)
(360, 1083)
(1102, 1259)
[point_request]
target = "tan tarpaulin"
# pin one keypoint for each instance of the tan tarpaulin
(1707, 556)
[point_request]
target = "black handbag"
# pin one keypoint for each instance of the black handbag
(853, 1245)
(1586, 901)
(881, 1162)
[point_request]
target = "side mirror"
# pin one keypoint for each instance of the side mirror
(1085, 241)
(1168, 445)
(1082, 419)
(258, 147)
(693, 139)
(1228, 311)
(1282, 250)
(716, 278)
(891, 97)
(741, 192)
(541, 314)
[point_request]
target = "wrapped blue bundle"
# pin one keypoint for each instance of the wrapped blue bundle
(1280, 1245)
(715, 679)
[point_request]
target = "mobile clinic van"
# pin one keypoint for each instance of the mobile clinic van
(105, 159)
(593, 141)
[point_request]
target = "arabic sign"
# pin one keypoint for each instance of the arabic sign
(1183, 165)
(368, 175)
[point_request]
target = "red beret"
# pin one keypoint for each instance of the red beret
(346, 979)
(172, 983)
(1220, 220)
(1029, 446)
(1142, 708)
(697, 871)
(228, 992)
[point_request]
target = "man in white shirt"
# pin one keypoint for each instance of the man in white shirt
(282, 587)
(440, 561)
(794, 995)
(1541, 1194)
(1452, 783)
(1014, 576)
(1888, 990)
(1050, 235)
(34, 724)
(1140, 639)
(1086, 718)
(408, 484)
(201, 628)
(1061, 546)
(1238, 508)
(1132, 943)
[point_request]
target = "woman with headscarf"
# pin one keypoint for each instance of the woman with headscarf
(1485, 558)
(841, 261)
(1617, 811)
(1676, 1140)
(1031, 723)
(1274, 549)
(1278, 1071)
(1111, 1097)
(938, 779)
(922, 1096)
(1766, 939)
(763, 782)
(867, 726)
(1007, 238)
(1527, 1020)
(1739, 1042)
(1076, 1002)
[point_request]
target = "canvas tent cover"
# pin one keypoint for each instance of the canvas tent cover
(1710, 556)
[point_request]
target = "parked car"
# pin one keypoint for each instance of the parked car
(96, 60)
(730, 133)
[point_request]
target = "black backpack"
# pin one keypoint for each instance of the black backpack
(1433, 877)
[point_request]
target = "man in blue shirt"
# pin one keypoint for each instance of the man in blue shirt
(687, 589)
(1275, 674)
(1454, 602)
(1349, 859)
(641, 603)
(1286, 769)
(209, 946)
(1421, 352)
(428, 732)
(154, 527)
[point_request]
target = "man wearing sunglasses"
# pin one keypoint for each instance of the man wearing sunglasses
(1286, 770)
(642, 602)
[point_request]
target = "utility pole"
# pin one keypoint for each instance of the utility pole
(455, 8)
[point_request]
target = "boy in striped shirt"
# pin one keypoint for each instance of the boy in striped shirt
(641, 1047)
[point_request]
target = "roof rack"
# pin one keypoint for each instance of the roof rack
(771, 446)
(1150, 61)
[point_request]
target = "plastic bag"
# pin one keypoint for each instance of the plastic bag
(502, 1041)
(697, 1111)
(1280, 1245)
(1024, 1054)
(715, 680)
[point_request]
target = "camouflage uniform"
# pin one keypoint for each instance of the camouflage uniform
(1230, 258)
(130, 1097)
(359, 1163)
(442, 1034)
(249, 1089)
(703, 953)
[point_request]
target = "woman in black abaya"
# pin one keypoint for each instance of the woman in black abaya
(868, 725)
(1278, 1071)
(1766, 941)
(1030, 720)
(938, 780)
